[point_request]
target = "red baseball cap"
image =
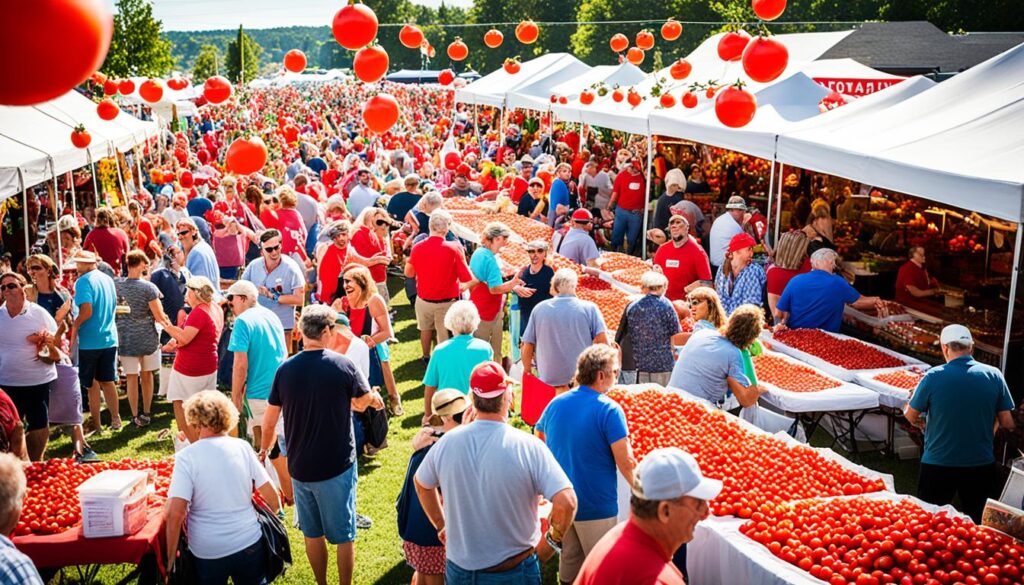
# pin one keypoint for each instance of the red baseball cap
(582, 214)
(741, 241)
(488, 380)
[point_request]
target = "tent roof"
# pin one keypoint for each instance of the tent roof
(844, 69)
(536, 94)
(606, 113)
(425, 75)
(778, 106)
(624, 74)
(490, 90)
(957, 143)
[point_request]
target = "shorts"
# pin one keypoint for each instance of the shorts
(579, 540)
(65, 397)
(258, 408)
(491, 331)
(33, 404)
(660, 378)
(182, 387)
(328, 507)
(97, 365)
(229, 273)
(430, 317)
(428, 560)
(133, 365)
(282, 446)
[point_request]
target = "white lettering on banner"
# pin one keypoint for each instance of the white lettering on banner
(856, 87)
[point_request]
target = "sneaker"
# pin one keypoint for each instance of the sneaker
(363, 522)
(145, 419)
(87, 456)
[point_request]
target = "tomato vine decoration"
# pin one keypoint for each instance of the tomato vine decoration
(735, 107)
(80, 137)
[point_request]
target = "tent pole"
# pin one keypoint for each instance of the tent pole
(778, 203)
(647, 194)
(138, 167)
(120, 179)
(56, 213)
(24, 211)
(476, 127)
(1013, 297)
(771, 192)
(95, 184)
(74, 202)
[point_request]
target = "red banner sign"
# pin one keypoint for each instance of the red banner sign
(856, 87)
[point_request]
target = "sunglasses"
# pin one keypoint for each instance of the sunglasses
(35, 268)
(183, 234)
(269, 249)
(230, 298)
(10, 286)
(536, 251)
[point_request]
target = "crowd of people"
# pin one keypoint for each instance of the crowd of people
(266, 298)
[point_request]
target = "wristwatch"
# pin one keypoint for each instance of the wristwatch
(555, 545)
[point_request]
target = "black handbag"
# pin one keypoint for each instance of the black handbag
(183, 567)
(275, 539)
(375, 426)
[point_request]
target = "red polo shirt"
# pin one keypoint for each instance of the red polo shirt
(110, 243)
(630, 188)
(682, 266)
(626, 555)
(368, 245)
(440, 267)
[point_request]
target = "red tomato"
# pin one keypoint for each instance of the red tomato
(457, 50)
(295, 61)
(671, 30)
(107, 109)
(445, 77)
(689, 99)
(151, 90)
(768, 9)
(764, 59)
(645, 40)
(635, 55)
(680, 70)
(493, 38)
(619, 42)
(380, 112)
(512, 66)
(731, 45)
(217, 89)
(527, 32)
(735, 107)
(246, 155)
(586, 97)
(80, 137)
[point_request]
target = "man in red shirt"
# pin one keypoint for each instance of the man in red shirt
(913, 281)
(682, 260)
(438, 267)
(627, 201)
(110, 243)
(670, 496)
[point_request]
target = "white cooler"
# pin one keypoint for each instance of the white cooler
(113, 503)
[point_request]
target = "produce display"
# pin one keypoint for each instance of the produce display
(788, 375)
(850, 354)
(866, 541)
(758, 471)
(905, 379)
(51, 500)
(611, 301)
(612, 261)
(460, 203)
(631, 275)
(513, 258)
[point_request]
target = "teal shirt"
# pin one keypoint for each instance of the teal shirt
(258, 333)
(961, 400)
(97, 289)
(453, 361)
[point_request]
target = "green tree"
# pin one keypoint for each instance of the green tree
(137, 47)
(207, 62)
(243, 58)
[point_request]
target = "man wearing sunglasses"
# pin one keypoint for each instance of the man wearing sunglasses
(199, 257)
(278, 279)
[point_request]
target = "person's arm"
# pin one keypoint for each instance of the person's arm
(622, 452)
(919, 293)
(182, 335)
(239, 372)
(379, 312)
(865, 302)
(428, 405)
(410, 270)
(745, 395)
(84, 314)
(430, 500)
(174, 517)
(773, 303)
(371, 398)
(157, 310)
(526, 355)
(1005, 420)
(602, 337)
(17, 442)
(269, 493)
(914, 417)
(563, 511)
(268, 437)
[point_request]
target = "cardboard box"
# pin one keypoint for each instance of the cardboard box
(113, 503)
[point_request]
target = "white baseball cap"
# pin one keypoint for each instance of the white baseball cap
(671, 473)
(957, 333)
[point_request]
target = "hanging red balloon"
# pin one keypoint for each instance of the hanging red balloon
(107, 109)
(680, 70)
(151, 90)
(768, 9)
(370, 63)
(410, 36)
(246, 155)
(619, 42)
(671, 30)
(51, 46)
(735, 107)
(731, 45)
(217, 89)
(765, 59)
(445, 77)
(457, 50)
(354, 26)
(126, 86)
(635, 55)
(177, 83)
(493, 38)
(380, 112)
(295, 61)
(645, 40)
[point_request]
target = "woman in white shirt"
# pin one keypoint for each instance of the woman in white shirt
(212, 485)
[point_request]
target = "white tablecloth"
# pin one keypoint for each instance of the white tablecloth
(832, 369)
(846, 396)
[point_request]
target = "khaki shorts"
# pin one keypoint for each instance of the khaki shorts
(430, 317)
(660, 378)
(258, 408)
(577, 544)
(133, 365)
(491, 331)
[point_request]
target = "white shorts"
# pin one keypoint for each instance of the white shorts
(134, 364)
(258, 408)
(182, 387)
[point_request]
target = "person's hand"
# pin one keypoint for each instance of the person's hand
(378, 401)
(424, 437)
(524, 292)
(262, 455)
(779, 327)
(442, 535)
(237, 400)
(591, 270)
(368, 341)
(265, 292)
(761, 389)
(469, 415)
(426, 419)
(380, 259)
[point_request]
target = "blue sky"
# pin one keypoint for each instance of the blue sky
(221, 14)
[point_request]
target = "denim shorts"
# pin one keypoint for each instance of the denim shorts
(525, 573)
(328, 507)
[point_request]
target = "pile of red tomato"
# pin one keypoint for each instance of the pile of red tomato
(905, 379)
(870, 541)
(845, 353)
(758, 471)
(611, 301)
(51, 501)
(794, 377)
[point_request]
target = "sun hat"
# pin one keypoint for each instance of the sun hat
(671, 473)
(85, 257)
(956, 334)
(740, 241)
(488, 380)
(536, 245)
(736, 202)
(447, 402)
(243, 288)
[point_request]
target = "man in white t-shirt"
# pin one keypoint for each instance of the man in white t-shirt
(725, 227)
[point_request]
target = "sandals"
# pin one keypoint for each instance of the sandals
(395, 409)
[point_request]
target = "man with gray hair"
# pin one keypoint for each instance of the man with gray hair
(961, 398)
(439, 267)
(316, 391)
(488, 294)
(815, 300)
(15, 566)
(651, 323)
(559, 330)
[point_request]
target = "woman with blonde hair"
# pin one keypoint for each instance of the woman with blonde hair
(212, 487)
(370, 239)
(195, 344)
(369, 319)
(820, 227)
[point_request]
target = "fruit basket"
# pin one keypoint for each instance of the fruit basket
(836, 354)
(797, 387)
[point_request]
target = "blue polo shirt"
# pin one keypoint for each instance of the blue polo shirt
(815, 300)
(98, 290)
(578, 246)
(258, 333)
(453, 361)
(579, 427)
(961, 399)
(559, 195)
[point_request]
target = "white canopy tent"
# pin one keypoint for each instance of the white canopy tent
(536, 94)
(623, 74)
(492, 89)
(183, 99)
(849, 77)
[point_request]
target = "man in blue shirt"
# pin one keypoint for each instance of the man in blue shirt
(576, 244)
(278, 279)
(199, 257)
(96, 335)
(558, 198)
(586, 432)
(962, 399)
(815, 300)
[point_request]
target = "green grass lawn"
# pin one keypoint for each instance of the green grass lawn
(379, 557)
